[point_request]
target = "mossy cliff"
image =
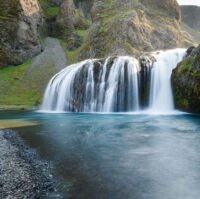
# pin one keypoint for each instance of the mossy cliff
(186, 82)
(19, 24)
(133, 26)
(97, 28)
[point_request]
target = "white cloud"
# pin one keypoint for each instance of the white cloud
(189, 2)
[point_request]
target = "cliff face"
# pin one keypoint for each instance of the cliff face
(97, 28)
(190, 16)
(70, 19)
(89, 28)
(186, 82)
(130, 27)
(19, 38)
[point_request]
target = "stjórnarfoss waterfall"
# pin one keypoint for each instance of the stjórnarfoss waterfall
(116, 84)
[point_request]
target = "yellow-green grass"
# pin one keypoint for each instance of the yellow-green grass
(14, 123)
(15, 89)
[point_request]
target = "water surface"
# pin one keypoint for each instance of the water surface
(118, 155)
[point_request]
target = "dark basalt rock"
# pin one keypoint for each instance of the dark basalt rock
(146, 64)
(186, 82)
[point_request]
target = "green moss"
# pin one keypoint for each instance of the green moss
(186, 65)
(51, 12)
(50, 9)
(3, 18)
(83, 34)
(13, 87)
(183, 103)
(73, 56)
(45, 3)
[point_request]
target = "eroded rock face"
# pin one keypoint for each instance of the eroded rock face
(130, 27)
(186, 82)
(71, 17)
(19, 25)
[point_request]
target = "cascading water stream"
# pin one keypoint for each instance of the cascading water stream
(95, 86)
(113, 85)
(161, 96)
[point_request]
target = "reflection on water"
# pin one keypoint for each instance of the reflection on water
(119, 156)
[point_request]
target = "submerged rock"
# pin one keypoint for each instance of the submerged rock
(186, 82)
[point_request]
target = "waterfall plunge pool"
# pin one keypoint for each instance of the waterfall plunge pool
(133, 156)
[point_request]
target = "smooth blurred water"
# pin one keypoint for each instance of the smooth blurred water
(118, 156)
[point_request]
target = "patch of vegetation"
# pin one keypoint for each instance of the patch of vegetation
(183, 103)
(50, 9)
(187, 65)
(51, 12)
(83, 34)
(14, 90)
(72, 56)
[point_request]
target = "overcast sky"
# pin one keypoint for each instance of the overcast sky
(189, 2)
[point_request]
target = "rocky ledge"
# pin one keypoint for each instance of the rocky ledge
(22, 175)
(186, 82)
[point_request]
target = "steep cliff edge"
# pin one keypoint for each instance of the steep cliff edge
(186, 82)
(19, 24)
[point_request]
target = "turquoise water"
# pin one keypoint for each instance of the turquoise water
(118, 156)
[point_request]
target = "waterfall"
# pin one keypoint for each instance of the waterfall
(93, 85)
(115, 84)
(161, 97)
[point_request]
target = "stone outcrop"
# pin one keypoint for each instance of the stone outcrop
(70, 19)
(186, 82)
(19, 25)
(46, 64)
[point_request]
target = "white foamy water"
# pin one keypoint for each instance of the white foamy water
(113, 85)
(161, 96)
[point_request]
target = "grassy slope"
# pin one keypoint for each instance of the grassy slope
(14, 91)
